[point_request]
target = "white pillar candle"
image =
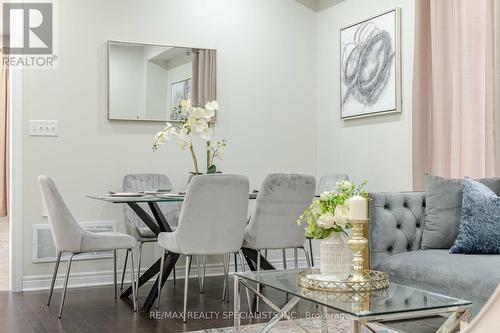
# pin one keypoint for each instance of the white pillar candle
(357, 207)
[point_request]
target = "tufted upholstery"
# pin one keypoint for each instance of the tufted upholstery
(396, 224)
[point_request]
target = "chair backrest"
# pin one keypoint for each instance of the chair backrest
(281, 200)
(329, 182)
(66, 231)
(214, 214)
(486, 320)
(143, 182)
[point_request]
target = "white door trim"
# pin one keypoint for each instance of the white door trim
(16, 179)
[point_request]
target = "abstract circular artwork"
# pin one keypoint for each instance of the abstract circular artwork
(369, 66)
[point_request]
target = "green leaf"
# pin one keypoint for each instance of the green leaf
(212, 169)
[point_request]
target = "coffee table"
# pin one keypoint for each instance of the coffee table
(398, 302)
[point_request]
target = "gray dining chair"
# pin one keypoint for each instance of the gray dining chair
(212, 222)
(273, 225)
(70, 238)
(134, 226)
(329, 182)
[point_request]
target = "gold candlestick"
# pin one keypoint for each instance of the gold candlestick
(357, 244)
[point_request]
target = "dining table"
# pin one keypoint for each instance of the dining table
(156, 221)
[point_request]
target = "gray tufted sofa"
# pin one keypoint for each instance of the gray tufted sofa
(396, 225)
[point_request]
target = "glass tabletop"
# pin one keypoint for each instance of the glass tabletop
(169, 197)
(397, 298)
(142, 198)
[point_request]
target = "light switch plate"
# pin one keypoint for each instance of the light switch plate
(43, 128)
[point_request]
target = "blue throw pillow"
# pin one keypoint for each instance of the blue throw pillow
(479, 231)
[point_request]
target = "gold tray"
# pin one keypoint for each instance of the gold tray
(375, 280)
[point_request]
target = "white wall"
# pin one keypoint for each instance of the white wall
(156, 91)
(377, 149)
(266, 84)
(128, 79)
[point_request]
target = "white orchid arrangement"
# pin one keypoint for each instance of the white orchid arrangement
(195, 121)
(330, 212)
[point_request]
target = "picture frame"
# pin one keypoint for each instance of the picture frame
(179, 90)
(370, 66)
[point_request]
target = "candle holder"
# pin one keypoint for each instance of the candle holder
(357, 244)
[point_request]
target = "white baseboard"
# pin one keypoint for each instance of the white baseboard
(103, 278)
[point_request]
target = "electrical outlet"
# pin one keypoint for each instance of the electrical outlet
(43, 128)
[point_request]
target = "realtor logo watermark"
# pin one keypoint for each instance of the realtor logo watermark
(28, 34)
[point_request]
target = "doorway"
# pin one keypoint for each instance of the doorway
(4, 174)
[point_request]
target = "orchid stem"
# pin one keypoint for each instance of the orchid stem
(209, 159)
(195, 162)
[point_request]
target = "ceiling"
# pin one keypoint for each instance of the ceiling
(319, 5)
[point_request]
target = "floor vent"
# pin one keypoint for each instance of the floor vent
(44, 249)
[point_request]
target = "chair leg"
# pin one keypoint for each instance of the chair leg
(203, 275)
(225, 280)
(295, 258)
(228, 262)
(225, 293)
(66, 278)
(174, 275)
(190, 263)
(114, 271)
(308, 257)
(283, 253)
(258, 284)
(132, 274)
(242, 265)
(160, 276)
(124, 270)
(138, 270)
(265, 254)
(198, 270)
(56, 268)
(311, 252)
(186, 282)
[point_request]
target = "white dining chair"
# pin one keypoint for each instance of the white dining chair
(212, 222)
(273, 225)
(70, 238)
(134, 226)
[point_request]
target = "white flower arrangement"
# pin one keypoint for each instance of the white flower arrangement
(330, 212)
(195, 121)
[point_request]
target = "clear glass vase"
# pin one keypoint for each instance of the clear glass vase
(335, 256)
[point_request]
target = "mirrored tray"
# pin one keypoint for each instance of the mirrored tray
(375, 280)
(346, 296)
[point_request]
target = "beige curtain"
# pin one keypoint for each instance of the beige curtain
(4, 135)
(204, 81)
(456, 89)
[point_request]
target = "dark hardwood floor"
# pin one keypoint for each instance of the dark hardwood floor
(95, 310)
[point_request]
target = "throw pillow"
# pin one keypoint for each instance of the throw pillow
(479, 231)
(443, 210)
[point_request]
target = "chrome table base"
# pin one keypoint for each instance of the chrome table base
(457, 315)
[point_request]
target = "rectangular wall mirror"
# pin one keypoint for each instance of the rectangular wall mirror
(147, 82)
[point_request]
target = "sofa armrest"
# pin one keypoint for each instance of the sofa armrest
(396, 224)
